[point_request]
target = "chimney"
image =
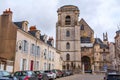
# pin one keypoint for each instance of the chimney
(8, 13)
(33, 28)
(51, 41)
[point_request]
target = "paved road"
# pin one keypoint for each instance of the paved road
(83, 77)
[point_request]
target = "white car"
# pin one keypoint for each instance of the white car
(50, 74)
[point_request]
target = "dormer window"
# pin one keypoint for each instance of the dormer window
(38, 34)
(67, 20)
(25, 26)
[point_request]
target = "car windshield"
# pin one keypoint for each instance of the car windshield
(5, 73)
(41, 71)
(47, 71)
(21, 73)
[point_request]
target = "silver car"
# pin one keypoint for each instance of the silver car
(50, 74)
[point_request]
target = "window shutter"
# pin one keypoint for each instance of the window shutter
(22, 45)
(27, 46)
(31, 49)
(21, 64)
(26, 64)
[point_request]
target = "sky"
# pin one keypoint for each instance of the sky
(101, 15)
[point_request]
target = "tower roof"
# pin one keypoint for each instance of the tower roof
(68, 8)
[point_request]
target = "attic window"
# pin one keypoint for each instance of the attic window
(67, 20)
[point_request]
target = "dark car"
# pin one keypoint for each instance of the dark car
(112, 76)
(25, 75)
(4, 75)
(41, 75)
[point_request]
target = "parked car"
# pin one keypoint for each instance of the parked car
(70, 71)
(67, 72)
(57, 72)
(4, 75)
(50, 74)
(25, 75)
(41, 75)
(112, 76)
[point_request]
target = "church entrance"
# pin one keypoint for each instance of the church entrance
(86, 62)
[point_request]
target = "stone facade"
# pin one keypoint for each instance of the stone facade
(117, 49)
(75, 39)
(112, 55)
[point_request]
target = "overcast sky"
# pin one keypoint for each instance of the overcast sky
(101, 15)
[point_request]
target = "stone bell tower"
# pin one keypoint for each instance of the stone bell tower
(68, 36)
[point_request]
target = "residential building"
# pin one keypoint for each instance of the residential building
(23, 49)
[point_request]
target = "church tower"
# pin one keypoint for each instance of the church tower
(68, 36)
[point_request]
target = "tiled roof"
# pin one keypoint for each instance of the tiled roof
(19, 24)
(32, 32)
(99, 41)
(41, 37)
(49, 43)
(118, 31)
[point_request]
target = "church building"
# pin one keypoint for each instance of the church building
(75, 39)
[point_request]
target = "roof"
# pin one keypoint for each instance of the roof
(99, 41)
(49, 42)
(19, 24)
(68, 8)
(118, 31)
(83, 21)
(32, 32)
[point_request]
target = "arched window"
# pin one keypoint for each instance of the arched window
(82, 27)
(68, 57)
(68, 45)
(67, 33)
(67, 20)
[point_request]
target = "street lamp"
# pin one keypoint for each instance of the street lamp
(19, 45)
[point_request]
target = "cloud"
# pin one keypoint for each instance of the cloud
(101, 15)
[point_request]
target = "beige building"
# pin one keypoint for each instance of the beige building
(75, 40)
(117, 49)
(112, 55)
(23, 49)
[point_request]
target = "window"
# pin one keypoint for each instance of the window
(38, 50)
(45, 66)
(32, 48)
(23, 64)
(67, 20)
(37, 63)
(67, 33)
(68, 45)
(82, 27)
(68, 57)
(45, 54)
(25, 46)
(85, 40)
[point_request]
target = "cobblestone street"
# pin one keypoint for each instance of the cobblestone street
(83, 77)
